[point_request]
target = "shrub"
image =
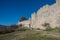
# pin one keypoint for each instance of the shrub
(47, 25)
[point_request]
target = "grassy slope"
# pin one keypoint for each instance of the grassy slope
(30, 35)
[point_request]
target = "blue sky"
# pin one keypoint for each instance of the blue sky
(12, 10)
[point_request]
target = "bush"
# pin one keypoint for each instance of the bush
(46, 25)
(49, 29)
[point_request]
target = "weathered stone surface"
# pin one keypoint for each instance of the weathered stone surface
(47, 14)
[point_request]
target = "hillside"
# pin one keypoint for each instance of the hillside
(31, 35)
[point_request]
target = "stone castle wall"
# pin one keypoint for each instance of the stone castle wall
(47, 14)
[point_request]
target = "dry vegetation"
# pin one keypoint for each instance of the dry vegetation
(7, 29)
(31, 35)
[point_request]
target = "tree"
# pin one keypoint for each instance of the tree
(22, 18)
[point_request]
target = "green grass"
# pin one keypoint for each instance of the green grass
(39, 38)
(53, 30)
(28, 35)
(34, 35)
